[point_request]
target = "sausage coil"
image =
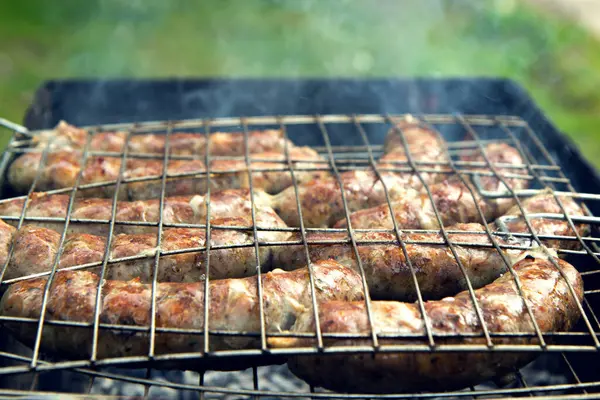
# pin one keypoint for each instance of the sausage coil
(63, 166)
(180, 209)
(66, 136)
(233, 307)
(387, 268)
(503, 309)
(321, 200)
(415, 210)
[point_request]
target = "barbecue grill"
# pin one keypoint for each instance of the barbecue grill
(346, 121)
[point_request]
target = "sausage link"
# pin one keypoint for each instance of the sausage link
(66, 136)
(498, 154)
(437, 271)
(35, 250)
(386, 268)
(62, 168)
(415, 210)
(545, 203)
(452, 198)
(503, 309)
(424, 145)
(180, 209)
(6, 236)
(233, 307)
(321, 200)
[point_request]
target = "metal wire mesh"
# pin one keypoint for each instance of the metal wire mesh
(464, 135)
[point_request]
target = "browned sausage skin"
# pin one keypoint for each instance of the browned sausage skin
(321, 200)
(545, 203)
(35, 251)
(452, 198)
(62, 168)
(386, 266)
(387, 269)
(505, 159)
(66, 136)
(503, 309)
(424, 145)
(233, 306)
(6, 236)
(178, 209)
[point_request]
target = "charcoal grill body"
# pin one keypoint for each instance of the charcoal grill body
(93, 102)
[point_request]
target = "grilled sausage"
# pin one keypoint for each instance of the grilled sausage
(181, 209)
(62, 168)
(437, 271)
(35, 250)
(543, 287)
(386, 267)
(436, 268)
(545, 203)
(452, 198)
(424, 145)
(505, 160)
(6, 236)
(321, 200)
(233, 307)
(66, 136)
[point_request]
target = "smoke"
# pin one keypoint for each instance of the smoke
(269, 38)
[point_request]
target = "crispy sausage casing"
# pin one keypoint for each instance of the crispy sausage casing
(424, 145)
(545, 203)
(387, 268)
(63, 166)
(503, 309)
(35, 251)
(179, 209)
(233, 307)
(452, 198)
(188, 144)
(321, 200)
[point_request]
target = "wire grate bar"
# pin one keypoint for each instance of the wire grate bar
(104, 266)
(310, 266)
(426, 321)
(207, 161)
(359, 242)
(443, 232)
(261, 306)
(572, 371)
(202, 173)
(361, 269)
(158, 246)
(238, 122)
(44, 305)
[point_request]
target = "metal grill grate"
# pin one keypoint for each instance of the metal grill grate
(464, 134)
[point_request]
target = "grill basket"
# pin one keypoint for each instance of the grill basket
(465, 134)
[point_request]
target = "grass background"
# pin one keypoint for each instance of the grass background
(557, 61)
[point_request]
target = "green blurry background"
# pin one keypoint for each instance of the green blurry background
(555, 59)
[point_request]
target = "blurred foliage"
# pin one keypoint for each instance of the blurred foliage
(557, 61)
